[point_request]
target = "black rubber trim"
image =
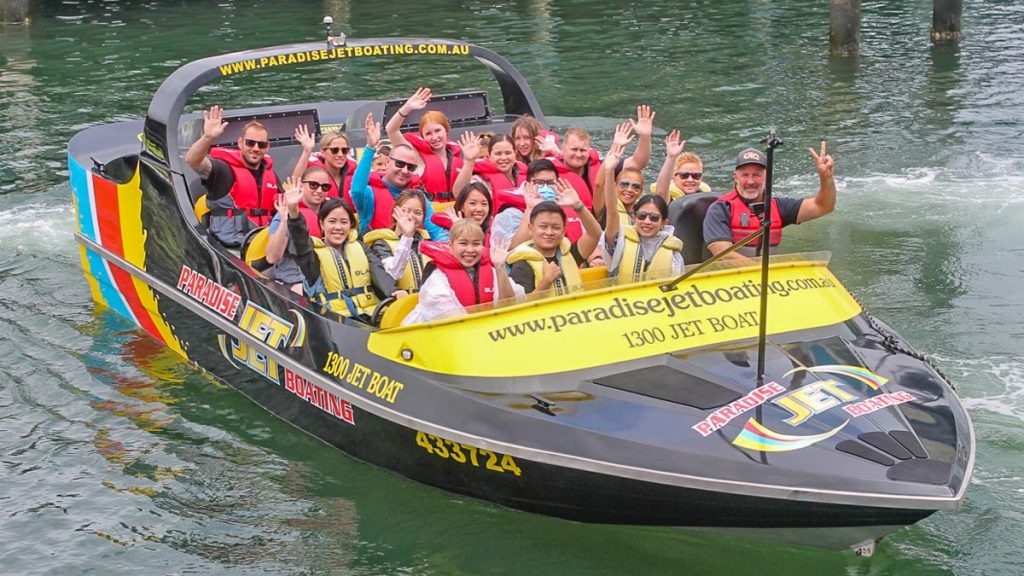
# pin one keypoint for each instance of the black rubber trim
(866, 452)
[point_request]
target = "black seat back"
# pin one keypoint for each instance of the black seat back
(686, 214)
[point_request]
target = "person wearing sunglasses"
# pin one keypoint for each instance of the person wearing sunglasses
(374, 193)
(645, 249)
(730, 218)
(333, 157)
(580, 164)
(682, 172)
(440, 158)
(315, 184)
(240, 182)
(336, 269)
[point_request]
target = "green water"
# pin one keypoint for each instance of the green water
(115, 458)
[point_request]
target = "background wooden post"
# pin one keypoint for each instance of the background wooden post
(844, 32)
(947, 20)
(14, 11)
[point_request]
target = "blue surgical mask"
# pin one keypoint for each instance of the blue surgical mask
(547, 192)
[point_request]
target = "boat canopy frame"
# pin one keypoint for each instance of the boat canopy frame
(161, 132)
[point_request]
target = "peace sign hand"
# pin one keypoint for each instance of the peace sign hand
(824, 162)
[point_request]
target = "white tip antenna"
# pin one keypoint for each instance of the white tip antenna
(332, 39)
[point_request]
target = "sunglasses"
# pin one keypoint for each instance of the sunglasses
(652, 216)
(539, 182)
(261, 144)
(314, 185)
(403, 164)
(685, 175)
(343, 149)
(634, 185)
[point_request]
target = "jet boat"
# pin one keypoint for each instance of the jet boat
(637, 404)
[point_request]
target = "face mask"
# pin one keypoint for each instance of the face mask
(547, 193)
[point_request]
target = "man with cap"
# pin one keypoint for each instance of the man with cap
(730, 218)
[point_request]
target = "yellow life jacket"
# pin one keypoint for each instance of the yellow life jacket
(346, 281)
(624, 216)
(674, 191)
(570, 280)
(412, 277)
(634, 268)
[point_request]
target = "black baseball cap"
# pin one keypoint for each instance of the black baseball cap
(751, 156)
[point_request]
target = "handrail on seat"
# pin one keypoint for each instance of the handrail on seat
(397, 312)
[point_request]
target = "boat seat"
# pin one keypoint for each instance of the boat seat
(686, 214)
(398, 310)
(440, 207)
(593, 274)
(254, 248)
(201, 209)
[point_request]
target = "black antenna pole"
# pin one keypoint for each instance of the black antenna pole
(764, 247)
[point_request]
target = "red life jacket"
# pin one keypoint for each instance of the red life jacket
(347, 171)
(437, 179)
(741, 213)
(496, 179)
(466, 291)
(584, 187)
(383, 201)
(312, 220)
(258, 202)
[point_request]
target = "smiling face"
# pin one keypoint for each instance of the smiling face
(750, 182)
(649, 220)
(336, 159)
(576, 152)
(435, 135)
(313, 192)
(336, 227)
(400, 176)
(629, 187)
(547, 230)
(411, 207)
(253, 155)
(468, 247)
(523, 141)
(690, 184)
(502, 155)
(476, 207)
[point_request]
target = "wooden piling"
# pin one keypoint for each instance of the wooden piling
(947, 20)
(844, 32)
(14, 11)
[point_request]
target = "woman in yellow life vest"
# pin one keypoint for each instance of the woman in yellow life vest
(646, 249)
(681, 174)
(336, 269)
(395, 257)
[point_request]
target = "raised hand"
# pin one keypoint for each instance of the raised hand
(304, 138)
(453, 214)
(419, 99)
(499, 254)
(623, 134)
(824, 162)
(644, 123)
(213, 122)
(406, 222)
(531, 196)
(567, 195)
(372, 131)
(470, 144)
(292, 196)
(674, 144)
(546, 145)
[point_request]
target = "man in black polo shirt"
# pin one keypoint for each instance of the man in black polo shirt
(240, 183)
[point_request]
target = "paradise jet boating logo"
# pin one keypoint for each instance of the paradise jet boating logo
(803, 404)
(268, 328)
